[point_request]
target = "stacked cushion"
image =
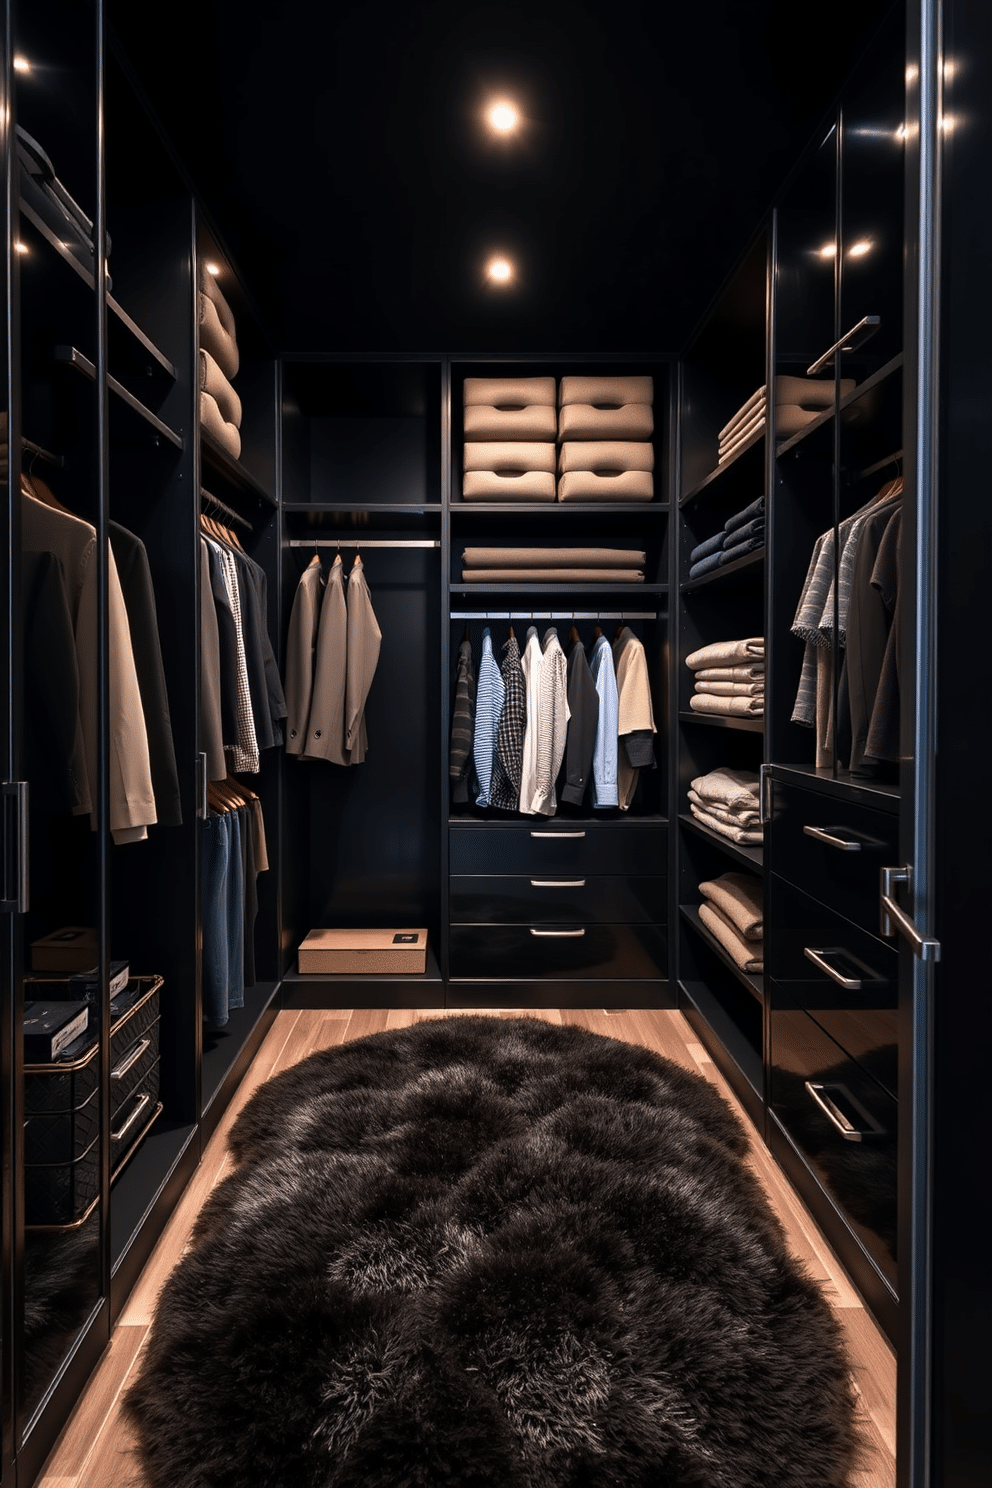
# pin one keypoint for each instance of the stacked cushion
(220, 406)
(510, 427)
(604, 427)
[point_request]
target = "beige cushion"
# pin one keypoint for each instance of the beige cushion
(523, 485)
(216, 424)
(214, 293)
(606, 455)
(213, 381)
(613, 391)
(588, 485)
(510, 455)
(586, 421)
(808, 392)
(215, 339)
(509, 392)
(486, 421)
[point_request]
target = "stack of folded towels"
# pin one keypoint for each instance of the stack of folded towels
(741, 534)
(553, 566)
(727, 801)
(604, 429)
(732, 912)
(798, 401)
(729, 678)
(220, 406)
(748, 419)
(510, 427)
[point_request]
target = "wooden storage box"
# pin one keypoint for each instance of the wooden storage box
(364, 952)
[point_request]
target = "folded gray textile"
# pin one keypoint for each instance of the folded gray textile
(753, 528)
(486, 421)
(214, 422)
(213, 381)
(732, 689)
(743, 413)
(712, 544)
(741, 518)
(508, 392)
(746, 836)
(805, 392)
(744, 954)
(590, 485)
(214, 338)
(738, 818)
(606, 456)
(509, 454)
(545, 557)
(725, 653)
(741, 549)
(731, 789)
(517, 485)
(552, 576)
(586, 421)
(730, 707)
(706, 565)
(748, 672)
(739, 898)
(609, 390)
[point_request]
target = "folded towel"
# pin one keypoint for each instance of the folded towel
(706, 565)
(731, 446)
(748, 957)
(214, 338)
(215, 424)
(731, 789)
(712, 544)
(728, 707)
(741, 518)
(605, 456)
(508, 485)
(744, 413)
(213, 381)
(732, 689)
(613, 391)
(210, 287)
(741, 549)
(591, 485)
(746, 836)
(724, 653)
(509, 392)
(552, 576)
(586, 421)
(486, 421)
(790, 418)
(805, 392)
(509, 455)
(546, 557)
(741, 673)
(738, 818)
(739, 897)
(753, 528)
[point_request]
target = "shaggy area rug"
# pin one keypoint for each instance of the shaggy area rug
(491, 1252)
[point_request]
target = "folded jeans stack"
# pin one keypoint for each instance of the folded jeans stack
(741, 534)
(510, 427)
(748, 419)
(732, 911)
(727, 801)
(553, 565)
(729, 678)
(220, 406)
(605, 426)
(799, 400)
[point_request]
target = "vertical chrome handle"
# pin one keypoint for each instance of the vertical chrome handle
(893, 918)
(201, 768)
(15, 847)
(764, 781)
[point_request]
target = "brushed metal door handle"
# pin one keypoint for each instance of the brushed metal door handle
(820, 1092)
(557, 883)
(575, 835)
(819, 957)
(558, 934)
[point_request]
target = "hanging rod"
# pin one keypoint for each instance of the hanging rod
(554, 614)
(224, 510)
(42, 453)
(894, 459)
(364, 542)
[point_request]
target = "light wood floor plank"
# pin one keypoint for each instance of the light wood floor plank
(98, 1413)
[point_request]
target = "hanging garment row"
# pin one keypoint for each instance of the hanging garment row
(331, 658)
(515, 725)
(233, 854)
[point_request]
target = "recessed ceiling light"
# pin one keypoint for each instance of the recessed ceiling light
(21, 64)
(500, 270)
(858, 250)
(829, 250)
(503, 117)
(20, 247)
(213, 268)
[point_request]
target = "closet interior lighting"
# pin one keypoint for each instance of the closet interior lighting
(213, 268)
(365, 542)
(503, 117)
(21, 64)
(554, 615)
(500, 270)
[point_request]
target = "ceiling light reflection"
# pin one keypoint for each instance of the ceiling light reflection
(503, 117)
(213, 268)
(500, 270)
(21, 64)
(858, 250)
(829, 250)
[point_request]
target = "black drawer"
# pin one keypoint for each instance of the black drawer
(133, 1117)
(490, 952)
(135, 1065)
(840, 864)
(559, 847)
(557, 900)
(842, 1121)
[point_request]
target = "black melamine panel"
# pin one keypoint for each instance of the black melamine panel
(579, 951)
(574, 847)
(844, 877)
(544, 899)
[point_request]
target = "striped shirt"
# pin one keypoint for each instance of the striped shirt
(488, 707)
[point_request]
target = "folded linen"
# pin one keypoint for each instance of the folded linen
(743, 413)
(728, 707)
(210, 287)
(738, 818)
(509, 455)
(738, 897)
(743, 429)
(725, 653)
(807, 392)
(509, 392)
(731, 789)
(754, 528)
(486, 421)
(738, 442)
(732, 689)
(745, 955)
(508, 485)
(604, 456)
(712, 544)
(214, 338)
(213, 381)
(748, 514)
(612, 391)
(552, 576)
(741, 549)
(215, 424)
(743, 673)
(746, 836)
(790, 418)
(546, 557)
(593, 485)
(706, 565)
(586, 421)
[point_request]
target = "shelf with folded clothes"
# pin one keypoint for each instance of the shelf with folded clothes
(870, 407)
(628, 562)
(745, 466)
(752, 980)
(125, 408)
(747, 567)
(751, 856)
(745, 725)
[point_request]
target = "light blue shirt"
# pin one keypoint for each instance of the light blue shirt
(604, 755)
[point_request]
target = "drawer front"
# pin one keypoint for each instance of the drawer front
(62, 1136)
(559, 847)
(133, 1116)
(134, 1066)
(840, 863)
(550, 899)
(842, 1121)
(575, 952)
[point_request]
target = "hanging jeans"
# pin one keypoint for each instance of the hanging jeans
(222, 898)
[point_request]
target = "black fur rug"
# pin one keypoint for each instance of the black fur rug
(491, 1252)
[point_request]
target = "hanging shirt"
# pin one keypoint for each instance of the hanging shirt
(604, 755)
(301, 652)
(635, 722)
(583, 708)
(364, 642)
(462, 725)
(325, 726)
(531, 666)
(552, 723)
(489, 699)
(508, 758)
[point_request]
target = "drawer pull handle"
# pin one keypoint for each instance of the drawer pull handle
(849, 983)
(118, 1136)
(558, 934)
(843, 844)
(835, 1115)
(557, 834)
(120, 1070)
(557, 883)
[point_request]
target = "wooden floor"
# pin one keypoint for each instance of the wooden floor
(96, 1450)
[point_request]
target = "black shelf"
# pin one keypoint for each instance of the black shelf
(541, 508)
(733, 1042)
(560, 590)
(134, 1192)
(862, 390)
(751, 857)
(129, 340)
(70, 356)
(46, 232)
(611, 814)
(232, 471)
(729, 570)
(712, 720)
(752, 443)
(346, 508)
(753, 982)
(843, 786)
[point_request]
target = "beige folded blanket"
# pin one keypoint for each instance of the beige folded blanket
(730, 446)
(213, 291)
(590, 485)
(738, 896)
(805, 392)
(746, 836)
(552, 576)
(213, 381)
(606, 456)
(790, 418)
(744, 413)
(724, 653)
(741, 673)
(731, 689)
(612, 391)
(747, 957)
(730, 707)
(510, 455)
(216, 424)
(535, 421)
(739, 818)
(586, 421)
(517, 485)
(509, 392)
(545, 557)
(731, 789)
(214, 338)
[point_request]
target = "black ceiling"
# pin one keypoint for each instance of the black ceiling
(341, 153)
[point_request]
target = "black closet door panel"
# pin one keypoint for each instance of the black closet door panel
(846, 879)
(557, 899)
(580, 951)
(842, 1121)
(559, 847)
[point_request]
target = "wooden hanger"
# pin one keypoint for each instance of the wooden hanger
(573, 636)
(597, 631)
(33, 485)
(510, 632)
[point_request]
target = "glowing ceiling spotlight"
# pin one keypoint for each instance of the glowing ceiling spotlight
(21, 64)
(213, 268)
(503, 117)
(859, 249)
(499, 270)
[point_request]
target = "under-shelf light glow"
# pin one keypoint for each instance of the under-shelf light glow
(829, 250)
(859, 249)
(213, 268)
(20, 247)
(503, 117)
(21, 64)
(500, 270)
